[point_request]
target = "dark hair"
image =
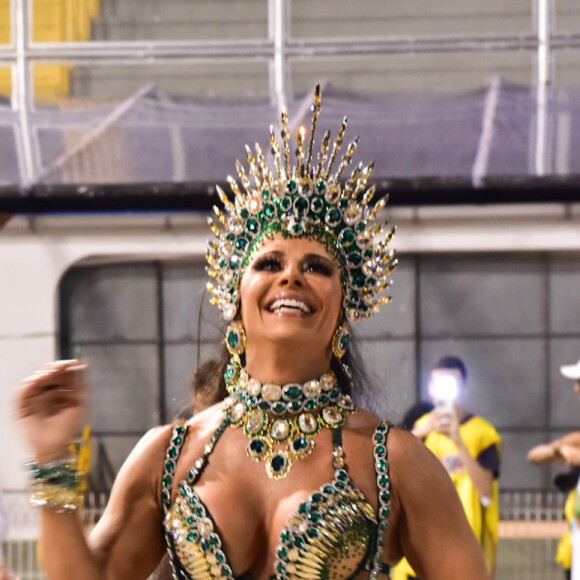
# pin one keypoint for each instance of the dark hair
(452, 363)
(208, 384)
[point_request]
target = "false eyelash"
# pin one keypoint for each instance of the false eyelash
(266, 263)
(319, 266)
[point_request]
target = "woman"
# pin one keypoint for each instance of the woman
(286, 477)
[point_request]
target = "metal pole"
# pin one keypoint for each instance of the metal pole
(21, 89)
(277, 13)
(543, 83)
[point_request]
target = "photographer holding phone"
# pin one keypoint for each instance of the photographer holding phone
(469, 447)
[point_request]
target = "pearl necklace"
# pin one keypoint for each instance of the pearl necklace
(281, 421)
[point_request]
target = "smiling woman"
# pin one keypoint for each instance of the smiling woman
(290, 306)
(286, 478)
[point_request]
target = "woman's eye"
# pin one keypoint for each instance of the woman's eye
(267, 264)
(318, 267)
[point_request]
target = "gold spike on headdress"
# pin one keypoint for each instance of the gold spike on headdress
(303, 200)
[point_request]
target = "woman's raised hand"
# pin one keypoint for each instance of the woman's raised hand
(50, 407)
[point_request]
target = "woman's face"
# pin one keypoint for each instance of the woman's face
(291, 291)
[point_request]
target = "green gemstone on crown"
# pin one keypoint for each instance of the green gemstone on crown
(265, 195)
(320, 185)
(253, 226)
(245, 213)
(291, 186)
(358, 279)
(270, 210)
(333, 216)
(241, 244)
(347, 237)
(355, 259)
(301, 204)
(317, 205)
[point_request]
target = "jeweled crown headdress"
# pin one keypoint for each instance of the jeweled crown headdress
(303, 200)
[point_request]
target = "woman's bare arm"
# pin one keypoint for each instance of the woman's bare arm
(128, 541)
(434, 533)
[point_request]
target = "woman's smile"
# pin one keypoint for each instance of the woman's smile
(292, 305)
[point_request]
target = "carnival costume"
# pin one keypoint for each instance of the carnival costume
(334, 532)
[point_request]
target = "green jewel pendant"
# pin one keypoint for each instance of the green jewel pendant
(278, 465)
(281, 421)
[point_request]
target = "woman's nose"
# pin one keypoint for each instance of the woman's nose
(292, 276)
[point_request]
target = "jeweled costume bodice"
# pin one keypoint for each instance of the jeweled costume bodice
(334, 533)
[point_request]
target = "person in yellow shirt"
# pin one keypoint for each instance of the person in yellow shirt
(470, 449)
(564, 450)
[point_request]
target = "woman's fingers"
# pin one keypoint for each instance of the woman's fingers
(51, 388)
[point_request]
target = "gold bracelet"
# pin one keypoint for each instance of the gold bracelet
(60, 498)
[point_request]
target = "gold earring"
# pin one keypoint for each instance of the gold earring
(340, 341)
(236, 338)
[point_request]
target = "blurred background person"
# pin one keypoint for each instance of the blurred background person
(469, 447)
(564, 450)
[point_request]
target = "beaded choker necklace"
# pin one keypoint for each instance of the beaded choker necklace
(281, 421)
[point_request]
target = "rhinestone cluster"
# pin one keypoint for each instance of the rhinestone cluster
(281, 421)
(188, 525)
(384, 491)
(195, 540)
(323, 538)
(303, 200)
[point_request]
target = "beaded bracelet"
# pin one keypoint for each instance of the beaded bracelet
(56, 484)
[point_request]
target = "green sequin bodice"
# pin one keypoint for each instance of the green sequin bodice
(334, 534)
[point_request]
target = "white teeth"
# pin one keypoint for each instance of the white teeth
(288, 303)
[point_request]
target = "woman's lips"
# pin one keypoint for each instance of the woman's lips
(293, 306)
